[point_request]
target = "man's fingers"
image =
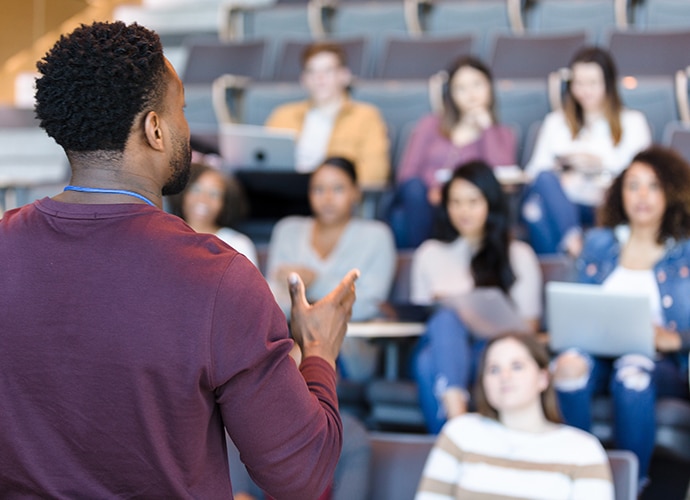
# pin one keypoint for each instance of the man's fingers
(297, 293)
(345, 289)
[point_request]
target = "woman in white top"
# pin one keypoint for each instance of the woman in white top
(578, 151)
(212, 203)
(516, 446)
(479, 253)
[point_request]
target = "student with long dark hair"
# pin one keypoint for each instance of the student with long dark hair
(479, 253)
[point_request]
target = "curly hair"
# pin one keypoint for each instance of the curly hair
(673, 173)
(95, 81)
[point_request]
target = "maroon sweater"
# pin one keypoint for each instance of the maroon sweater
(128, 342)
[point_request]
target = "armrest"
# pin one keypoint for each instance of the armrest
(221, 86)
(682, 95)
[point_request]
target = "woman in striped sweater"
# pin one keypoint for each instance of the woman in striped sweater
(515, 447)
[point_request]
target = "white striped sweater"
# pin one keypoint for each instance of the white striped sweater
(478, 458)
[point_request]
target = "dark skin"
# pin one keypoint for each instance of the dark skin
(155, 152)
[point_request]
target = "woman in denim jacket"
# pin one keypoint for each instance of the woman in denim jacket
(643, 245)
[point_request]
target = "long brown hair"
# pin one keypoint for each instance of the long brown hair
(539, 354)
(613, 106)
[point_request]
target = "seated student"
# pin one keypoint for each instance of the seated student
(480, 254)
(515, 447)
(466, 130)
(642, 246)
(578, 151)
(212, 203)
(329, 123)
(319, 247)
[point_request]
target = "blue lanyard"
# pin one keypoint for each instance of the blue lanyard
(83, 189)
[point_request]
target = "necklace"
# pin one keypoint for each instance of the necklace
(83, 189)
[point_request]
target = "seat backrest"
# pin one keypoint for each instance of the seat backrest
(209, 59)
(419, 58)
(260, 99)
(288, 65)
(399, 101)
(655, 96)
(658, 14)
(11, 116)
(520, 103)
(677, 136)
(596, 17)
(373, 20)
(483, 19)
(624, 466)
(173, 23)
(533, 56)
(397, 464)
(650, 52)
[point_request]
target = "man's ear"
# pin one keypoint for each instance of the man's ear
(153, 131)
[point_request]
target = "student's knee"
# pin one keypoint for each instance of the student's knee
(634, 372)
(571, 371)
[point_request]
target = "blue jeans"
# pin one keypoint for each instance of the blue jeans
(633, 400)
(447, 356)
(411, 215)
(549, 215)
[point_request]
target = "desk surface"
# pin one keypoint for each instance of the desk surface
(381, 329)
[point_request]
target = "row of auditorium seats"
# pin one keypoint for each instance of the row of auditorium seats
(376, 21)
(397, 461)
(413, 17)
(511, 55)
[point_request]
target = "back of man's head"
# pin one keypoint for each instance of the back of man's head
(94, 83)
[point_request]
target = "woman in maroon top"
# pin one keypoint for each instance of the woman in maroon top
(466, 129)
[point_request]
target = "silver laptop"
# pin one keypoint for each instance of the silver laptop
(487, 312)
(255, 147)
(598, 321)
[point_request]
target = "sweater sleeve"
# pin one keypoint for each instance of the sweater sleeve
(498, 146)
(438, 481)
(287, 116)
(592, 475)
(413, 159)
(284, 421)
(543, 156)
(420, 285)
(373, 160)
(526, 292)
(281, 251)
(636, 137)
(377, 271)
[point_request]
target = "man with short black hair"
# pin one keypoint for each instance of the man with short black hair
(130, 343)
